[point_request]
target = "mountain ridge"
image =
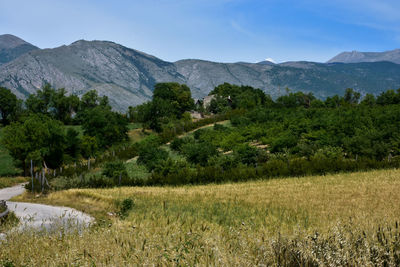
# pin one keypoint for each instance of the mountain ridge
(11, 47)
(127, 76)
(358, 57)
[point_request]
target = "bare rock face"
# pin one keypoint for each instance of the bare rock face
(125, 75)
(128, 76)
(357, 57)
(12, 47)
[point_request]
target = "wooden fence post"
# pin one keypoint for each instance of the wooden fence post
(32, 174)
(43, 177)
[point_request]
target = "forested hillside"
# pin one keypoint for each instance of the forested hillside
(244, 134)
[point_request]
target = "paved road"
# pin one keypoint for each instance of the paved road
(40, 216)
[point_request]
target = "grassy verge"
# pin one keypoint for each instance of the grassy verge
(261, 222)
(11, 181)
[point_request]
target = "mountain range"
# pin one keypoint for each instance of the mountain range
(127, 76)
(356, 57)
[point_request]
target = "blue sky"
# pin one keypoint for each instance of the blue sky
(217, 30)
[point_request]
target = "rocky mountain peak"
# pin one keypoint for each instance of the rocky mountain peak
(11, 47)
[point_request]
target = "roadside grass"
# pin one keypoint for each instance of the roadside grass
(11, 181)
(335, 218)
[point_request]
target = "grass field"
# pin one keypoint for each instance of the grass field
(280, 221)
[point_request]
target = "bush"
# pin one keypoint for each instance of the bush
(116, 170)
(199, 153)
(247, 154)
(151, 156)
(126, 205)
(177, 143)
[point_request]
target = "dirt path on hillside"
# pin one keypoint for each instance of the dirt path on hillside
(205, 126)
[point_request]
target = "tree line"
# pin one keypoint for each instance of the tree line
(36, 129)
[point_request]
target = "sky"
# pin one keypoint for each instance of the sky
(216, 30)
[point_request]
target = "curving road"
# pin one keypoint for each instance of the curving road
(40, 216)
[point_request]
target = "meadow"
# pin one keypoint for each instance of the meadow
(336, 219)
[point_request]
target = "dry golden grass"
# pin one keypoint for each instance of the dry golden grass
(11, 181)
(228, 224)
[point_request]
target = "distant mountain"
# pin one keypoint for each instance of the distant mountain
(357, 57)
(125, 75)
(128, 76)
(12, 47)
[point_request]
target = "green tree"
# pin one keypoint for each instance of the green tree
(88, 146)
(62, 106)
(150, 155)
(37, 137)
(351, 97)
(72, 144)
(90, 100)
(116, 170)
(388, 98)
(8, 105)
(368, 100)
(107, 126)
(247, 154)
(177, 95)
(199, 152)
(40, 102)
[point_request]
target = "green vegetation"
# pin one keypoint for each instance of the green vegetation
(136, 170)
(38, 134)
(295, 135)
(170, 102)
(9, 106)
(244, 135)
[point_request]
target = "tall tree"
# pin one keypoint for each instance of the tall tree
(38, 137)
(107, 126)
(8, 105)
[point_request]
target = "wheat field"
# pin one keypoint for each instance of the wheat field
(320, 220)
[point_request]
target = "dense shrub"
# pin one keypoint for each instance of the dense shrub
(116, 171)
(199, 152)
(247, 154)
(151, 156)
